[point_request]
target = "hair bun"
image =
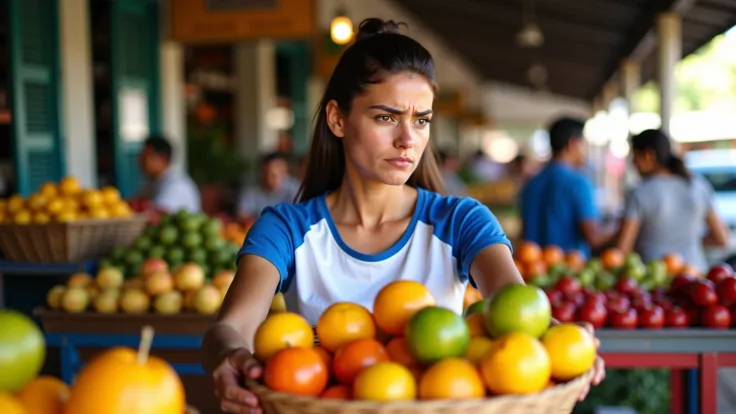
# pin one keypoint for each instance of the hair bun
(373, 26)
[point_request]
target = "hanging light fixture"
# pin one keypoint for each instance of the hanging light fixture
(341, 28)
(530, 35)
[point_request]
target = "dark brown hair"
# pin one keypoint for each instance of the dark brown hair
(659, 143)
(378, 51)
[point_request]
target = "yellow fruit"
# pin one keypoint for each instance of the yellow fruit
(451, 379)
(478, 349)
(279, 331)
(44, 395)
(571, 350)
(41, 218)
(55, 206)
(110, 195)
(92, 199)
(66, 217)
(10, 404)
(516, 364)
(343, 323)
(476, 324)
(49, 190)
(69, 186)
(37, 202)
(98, 212)
(22, 217)
(384, 382)
(278, 303)
(15, 203)
(398, 302)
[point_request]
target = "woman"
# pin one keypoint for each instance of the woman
(368, 212)
(670, 210)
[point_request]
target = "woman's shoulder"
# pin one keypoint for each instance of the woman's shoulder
(294, 215)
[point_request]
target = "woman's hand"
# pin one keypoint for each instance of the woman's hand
(599, 367)
(228, 378)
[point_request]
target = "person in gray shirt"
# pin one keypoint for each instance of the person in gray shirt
(170, 190)
(275, 186)
(671, 210)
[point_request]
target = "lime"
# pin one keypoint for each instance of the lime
(191, 240)
(435, 333)
(518, 308)
(168, 235)
(143, 243)
(197, 255)
(214, 244)
(211, 228)
(477, 307)
(175, 255)
(156, 252)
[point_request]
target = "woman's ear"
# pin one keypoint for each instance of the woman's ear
(335, 119)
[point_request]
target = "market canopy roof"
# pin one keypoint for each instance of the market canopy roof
(584, 40)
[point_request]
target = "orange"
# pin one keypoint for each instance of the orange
(343, 323)
(326, 356)
(399, 352)
(553, 255)
(44, 395)
(673, 262)
(575, 260)
(10, 404)
(571, 350)
(532, 269)
(397, 302)
(299, 371)
(451, 379)
(354, 357)
(337, 392)
(478, 349)
(472, 295)
(528, 252)
(384, 382)
(279, 331)
(516, 364)
(612, 258)
(476, 324)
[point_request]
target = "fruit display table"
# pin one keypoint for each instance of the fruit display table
(20, 273)
(704, 350)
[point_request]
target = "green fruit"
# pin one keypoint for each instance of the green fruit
(168, 235)
(541, 281)
(166, 220)
(156, 252)
(22, 350)
(435, 333)
(605, 280)
(190, 224)
(175, 255)
(214, 244)
(632, 259)
(477, 307)
(211, 228)
(152, 232)
(198, 255)
(117, 253)
(586, 277)
(104, 263)
(143, 243)
(191, 240)
(594, 264)
(558, 270)
(518, 308)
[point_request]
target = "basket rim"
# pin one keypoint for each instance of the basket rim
(80, 222)
(264, 392)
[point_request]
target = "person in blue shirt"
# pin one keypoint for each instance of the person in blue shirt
(557, 205)
(368, 212)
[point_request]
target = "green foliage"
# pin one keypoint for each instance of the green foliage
(210, 160)
(646, 391)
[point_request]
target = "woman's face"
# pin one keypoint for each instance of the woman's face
(644, 161)
(387, 129)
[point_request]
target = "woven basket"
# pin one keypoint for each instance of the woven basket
(560, 399)
(68, 242)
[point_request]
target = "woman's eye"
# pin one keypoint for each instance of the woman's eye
(385, 118)
(423, 122)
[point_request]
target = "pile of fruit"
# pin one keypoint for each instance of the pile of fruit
(620, 291)
(118, 380)
(64, 202)
(178, 238)
(409, 348)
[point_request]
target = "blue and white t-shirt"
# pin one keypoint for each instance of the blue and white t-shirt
(318, 269)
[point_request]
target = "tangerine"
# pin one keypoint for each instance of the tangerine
(674, 263)
(398, 351)
(516, 364)
(44, 395)
(532, 269)
(571, 350)
(397, 302)
(476, 324)
(10, 405)
(435, 333)
(384, 382)
(529, 252)
(575, 260)
(279, 331)
(326, 356)
(337, 392)
(612, 258)
(553, 255)
(299, 371)
(478, 349)
(343, 323)
(451, 379)
(518, 308)
(354, 357)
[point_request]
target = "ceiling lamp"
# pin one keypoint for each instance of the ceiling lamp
(530, 36)
(341, 29)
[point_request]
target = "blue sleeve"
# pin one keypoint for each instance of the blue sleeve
(270, 238)
(475, 229)
(584, 201)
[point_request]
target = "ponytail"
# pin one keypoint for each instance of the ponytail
(676, 166)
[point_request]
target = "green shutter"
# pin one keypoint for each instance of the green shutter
(34, 57)
(135, 65)
(300, 65)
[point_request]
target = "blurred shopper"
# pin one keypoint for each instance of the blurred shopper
(670, 210)
(557, 205)
(169, 189)
(449, 167)
(275, 186)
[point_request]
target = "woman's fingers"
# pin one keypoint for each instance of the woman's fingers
(599, 372)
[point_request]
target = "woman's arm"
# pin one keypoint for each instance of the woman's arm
(717, 232)
(494, 268)
(627, 234)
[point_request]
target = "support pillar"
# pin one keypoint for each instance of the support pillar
(669, 52)
(630, 74)
(78, 126)
(173, 106)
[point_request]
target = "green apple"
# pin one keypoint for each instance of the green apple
(541, 281)
(586, 277)
(657, 272)
(605, 280)
(632, 259)
(22, 350)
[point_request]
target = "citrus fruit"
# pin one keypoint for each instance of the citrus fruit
(476, 324)
(478, 349)
(337, 392)
(343, 323)
(451, 379)
(44, 395)
(477, 307)
(299, 371)
(399, 352)
(612, 258)
(553, 255)
(10, 404)
(518, 308)
(435, 333)
(22, 350)
(528, 252)
(326, 356)
(279, 331)
(571, 350)
(384, 382)
(397, 302)
(351, 359)
(516, 364)
(471, 296)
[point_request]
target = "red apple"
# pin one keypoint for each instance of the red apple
(619, 303)
(598, 297)
(716, 317)
(663, 303)
(658, 292)
(564, 311)
(641, 301)
(626, 285)
(611, 294)
(627, 319)
(676, 318)
(593, 313)
(568, 285)
(652, 318)
(680, 282)
(576, 298)
(554, 295)
(726, 290)
(720, 272)
(702, 293)
(693, 314)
